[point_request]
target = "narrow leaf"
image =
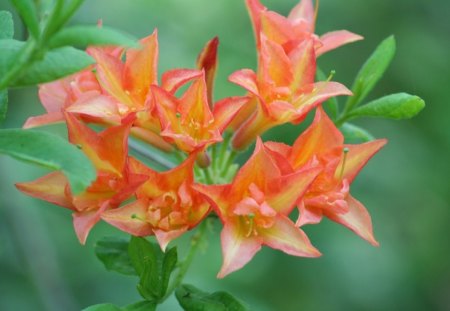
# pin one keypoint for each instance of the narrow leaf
(6, 25)
(193, 299)
(83, 36)
(50, 151)
(371, 72)
(354, 134)
(27, 10)
(113, 253)
(3, 105)
(141, 306)
(395, 106)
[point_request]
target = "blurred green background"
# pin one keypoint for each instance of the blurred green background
(405, 187)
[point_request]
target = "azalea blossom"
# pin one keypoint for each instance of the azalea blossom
(108, 151)
(254, 210)
(166, 204)
(322, 145)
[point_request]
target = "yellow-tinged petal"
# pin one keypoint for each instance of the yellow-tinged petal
(140, 70)
(304, 11)
(50, 188)
(318, 139)
(356, 219)
(255, 8)
(194, 104)
(245, 78)
(303, 60)
(216, 196)
(284, 193)
(274, 65)
(226, 109)
(237, 249)
(285, 236)
(357, 156)
(130, 218)
(308, 215)
(276, 27)
(258, 170)
(333, 40)
(109, 73)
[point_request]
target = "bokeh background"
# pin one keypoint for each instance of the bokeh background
(405, 187)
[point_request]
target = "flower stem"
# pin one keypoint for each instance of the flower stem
(185, 264)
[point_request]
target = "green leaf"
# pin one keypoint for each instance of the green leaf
(168, 266)
(113, 253)
(27, 10)
(141, 253)
(83, 36)
(50, 151)
(56, 64)
(141, 306)
(371, 72)
(193, 299)
(3, 105)
(395, 106)
(6, 25)
(103, 307)
(354, 134)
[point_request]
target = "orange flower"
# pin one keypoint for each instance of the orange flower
(167, 206)
(254, 209)
(115, 182)
(293, 30)
(283, 89)
(188, 121)
(322, 145)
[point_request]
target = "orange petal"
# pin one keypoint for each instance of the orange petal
(140, 70)
(285, 236)
(237, 249)
(98, 106)
(216, 196)
(130, 218)
(172, 80)
(284, 193)
(84, 221)
(45, 119)
(226, 109)
(207, 60)
(194, 103)
(333, 40)
(258, 170)
(245, 78)
(304, 11)
(109, 74)
(255, 8)
(318, 139)
(276, 27)
(164, 237)
(357, 157)
(303, 61)
(356, 219)
(50, 188)
(53, 95)
(274, 65)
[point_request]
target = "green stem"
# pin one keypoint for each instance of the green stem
(185, 264)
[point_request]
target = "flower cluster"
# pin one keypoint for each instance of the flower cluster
(177, 115)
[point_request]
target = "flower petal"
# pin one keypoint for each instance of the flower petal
(50, 188)
(45, 119)
(172, 80)
(237, 249)
(357, 157)
(130, 218)
(84, 221)
(304, 11)
(333, 40)
(356, 219)
(303, 61)
(164, 237)
(285, 236)
(308, 215)
(207, 60)
(245, 78)
(226, 109)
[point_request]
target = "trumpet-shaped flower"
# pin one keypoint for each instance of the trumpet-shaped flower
(293, 30)
(114, 184)
(188, 121)
(254, 209)
(283, 89)
(322, 145)
(166, 207)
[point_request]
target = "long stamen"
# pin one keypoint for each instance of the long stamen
(345, 150)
